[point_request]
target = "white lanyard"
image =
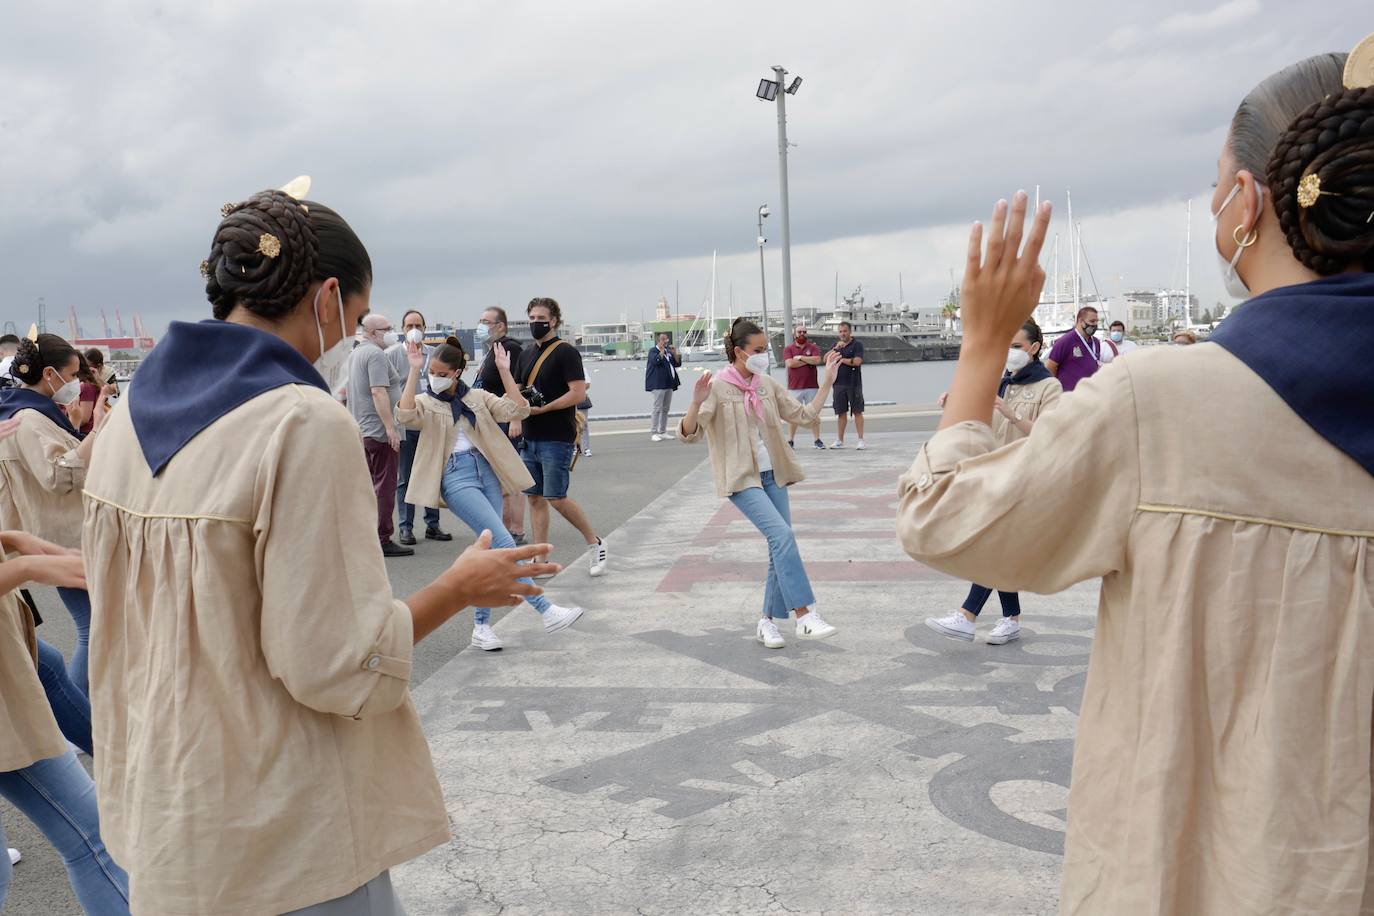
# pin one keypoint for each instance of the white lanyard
(1096, 356)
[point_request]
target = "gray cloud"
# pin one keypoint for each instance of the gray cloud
(593, 151)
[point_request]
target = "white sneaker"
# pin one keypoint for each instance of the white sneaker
(15, 857)
(560, 618)
(656, 437)
(839, 443)
(811, 626)
(1007, 629)
(600, 559)
(485, 638)
(860, 446)
(668, 435)
(586, 453)
(954, 625)
(767, 633)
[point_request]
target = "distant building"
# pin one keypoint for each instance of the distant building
(619, 338)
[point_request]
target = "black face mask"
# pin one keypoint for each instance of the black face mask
(540, 329)
(1089, 330)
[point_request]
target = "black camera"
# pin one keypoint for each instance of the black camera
(534, 396)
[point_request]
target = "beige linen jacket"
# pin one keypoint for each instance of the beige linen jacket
(40, 481)
(1026, 402)
(722, 419)
(28, 731)
(1223, 760)
(438, 433)
(257, 750)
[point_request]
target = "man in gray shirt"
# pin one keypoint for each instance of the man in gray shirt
(373, 389)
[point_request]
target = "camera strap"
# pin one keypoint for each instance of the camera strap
(539, 363)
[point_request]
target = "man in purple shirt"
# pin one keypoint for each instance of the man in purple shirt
(1077, 354)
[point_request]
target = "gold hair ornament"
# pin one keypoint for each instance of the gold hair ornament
(228, 208)
(1310, 189)
(269, 245)
(205, 269)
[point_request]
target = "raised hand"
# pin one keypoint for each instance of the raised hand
(702, 389)
(832, 366)
(1001, 288)
(415, 355)
(489, 578)
(502, 357)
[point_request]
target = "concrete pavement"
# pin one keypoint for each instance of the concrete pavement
(656, 759)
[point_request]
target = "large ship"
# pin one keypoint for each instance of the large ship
(890, 333)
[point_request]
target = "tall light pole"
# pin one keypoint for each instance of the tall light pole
(768, 91)
(763, 285)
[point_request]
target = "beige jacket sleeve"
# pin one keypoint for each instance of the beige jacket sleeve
(1042, 513)
(410, 418)
(331, 630)
(790, 410)
(49, 454)
(704, 415)
(503, 409)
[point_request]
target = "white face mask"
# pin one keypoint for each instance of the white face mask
(1235, 286)
(415, 336)
(67, 393)
(440, 383)
(1017, 360)
(331, 361)
(390, 339)
(757, 364)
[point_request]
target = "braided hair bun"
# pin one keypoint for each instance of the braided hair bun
(264, 256)
(1322, 178)
(33, 356)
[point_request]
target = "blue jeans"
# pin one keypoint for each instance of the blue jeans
(78, 602)
(550, 464)
(787, 586)
(70, 707)
(473, 493)
(407, 459)
(58, 796)
(978, 596)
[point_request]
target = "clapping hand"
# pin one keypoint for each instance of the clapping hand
(702, 389)
(415, 355)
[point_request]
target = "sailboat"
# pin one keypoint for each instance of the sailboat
(710, 349)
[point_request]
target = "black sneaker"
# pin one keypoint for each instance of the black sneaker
(435, 534)
(407, 537)
(819, 444)
(792, 445)
(392, 549)
(520, 539)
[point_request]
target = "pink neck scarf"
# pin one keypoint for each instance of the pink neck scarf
(753, 403)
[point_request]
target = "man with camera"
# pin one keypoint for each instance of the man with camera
(554, 384)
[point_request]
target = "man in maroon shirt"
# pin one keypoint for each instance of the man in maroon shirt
(802, 357)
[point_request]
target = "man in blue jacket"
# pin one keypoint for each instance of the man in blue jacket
(660, 377)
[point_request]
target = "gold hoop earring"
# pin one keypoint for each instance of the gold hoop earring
(1251, 238)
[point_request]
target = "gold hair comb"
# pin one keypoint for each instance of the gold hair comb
(269, 245)
(1359, 66)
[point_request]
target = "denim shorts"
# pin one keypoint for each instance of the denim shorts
(550, 464)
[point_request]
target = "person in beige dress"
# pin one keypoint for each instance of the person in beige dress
(465, 461)
(1224, 494)
(257, 750)
(39, 773)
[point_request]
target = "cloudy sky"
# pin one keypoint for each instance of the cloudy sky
(599, 151)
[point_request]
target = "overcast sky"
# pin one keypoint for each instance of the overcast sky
(598, 152)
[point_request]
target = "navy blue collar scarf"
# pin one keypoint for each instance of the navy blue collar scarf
(1031, 373)
(198, 373)
(13, 400)
(455, 403)
(1310, 344)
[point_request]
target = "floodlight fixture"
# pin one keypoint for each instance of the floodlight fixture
(794, 86)
(763, 211)
(768, 90)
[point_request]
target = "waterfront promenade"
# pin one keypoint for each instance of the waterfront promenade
(656, 759)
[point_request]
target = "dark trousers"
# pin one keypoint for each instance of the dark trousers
(382, 464)
(978, 596)
(407, 460)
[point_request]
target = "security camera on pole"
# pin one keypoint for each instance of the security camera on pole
(768, 91)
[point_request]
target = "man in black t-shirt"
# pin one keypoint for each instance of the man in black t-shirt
(849, 384)
(551, 430)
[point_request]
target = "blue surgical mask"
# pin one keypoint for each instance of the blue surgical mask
(481, 335)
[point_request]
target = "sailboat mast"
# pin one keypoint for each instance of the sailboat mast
(1055, 319)
(1073, 254)
(1188, 269)
(711, 333)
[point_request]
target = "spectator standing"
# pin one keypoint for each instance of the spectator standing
(371, 381)
(849, 386)
(1077, 355)
(492, 329)
(412, 331)
(8, 344)
(801, 357)
(1117, 335)
(661, 380)
(553, 369)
